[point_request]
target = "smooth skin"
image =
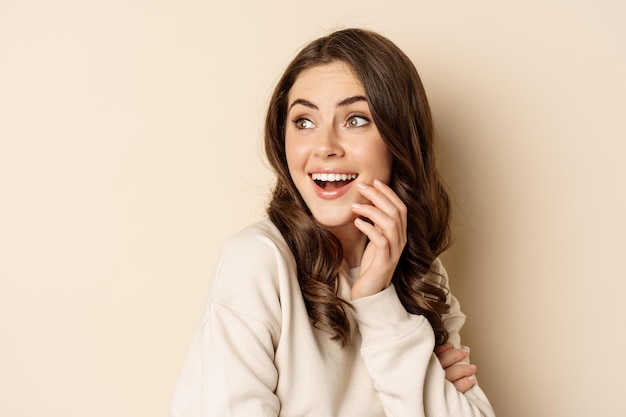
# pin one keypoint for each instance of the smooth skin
(330, 129)
(387, 238)
(461, 374)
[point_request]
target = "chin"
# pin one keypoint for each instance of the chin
(334, 220)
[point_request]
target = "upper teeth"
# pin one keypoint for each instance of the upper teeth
(333, 177)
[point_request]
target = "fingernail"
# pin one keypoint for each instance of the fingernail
(356, 205)
(471, 378)
(377, 183)
(473, 367)
(362, 185)
(465, 349)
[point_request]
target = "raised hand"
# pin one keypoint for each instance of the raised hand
(459, 373)
(387, 237)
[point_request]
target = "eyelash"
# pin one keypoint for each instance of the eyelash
(298, 121)
(357, 116)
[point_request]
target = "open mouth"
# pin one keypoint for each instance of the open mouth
(332, 181)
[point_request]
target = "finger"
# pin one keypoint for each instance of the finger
(384, 197)
(463, 384)
(451, 356)
(386, 200)
(443, 348)
(383, 233)
(457, 372)
(374, 234)
(383, 221)
(394, 199)
(391, 195)
(462, 376)
(385, 215)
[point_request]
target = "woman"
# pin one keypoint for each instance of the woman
(337, 305)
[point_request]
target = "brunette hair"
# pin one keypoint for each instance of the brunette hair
(399, 107)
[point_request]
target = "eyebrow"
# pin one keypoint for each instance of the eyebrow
(350, 100)
(344, 102)
(303, 102)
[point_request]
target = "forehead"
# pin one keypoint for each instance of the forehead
(336, 78)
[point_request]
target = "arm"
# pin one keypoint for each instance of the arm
(398, 351)
(238, 373)
(398, 347)
(229, 370)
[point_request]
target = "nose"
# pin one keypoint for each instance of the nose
(328, 144)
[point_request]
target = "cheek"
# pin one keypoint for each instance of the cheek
(380, 160)
(290, 152)
(296, 156)
(388, 165)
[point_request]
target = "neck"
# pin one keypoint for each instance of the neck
(353, 244)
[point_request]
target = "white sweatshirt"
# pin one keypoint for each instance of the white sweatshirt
(256, 354)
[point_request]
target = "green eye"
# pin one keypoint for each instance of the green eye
(303, 123)
(357, 121)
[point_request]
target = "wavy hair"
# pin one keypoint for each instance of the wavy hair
(400, 109)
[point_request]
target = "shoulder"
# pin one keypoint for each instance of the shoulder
(437, 275)
(255, 248)
(262, 231)
(256, 243)
(251, 267)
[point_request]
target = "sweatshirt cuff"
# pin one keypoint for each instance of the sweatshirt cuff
(383, 317)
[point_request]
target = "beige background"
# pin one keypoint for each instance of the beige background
(130, 150)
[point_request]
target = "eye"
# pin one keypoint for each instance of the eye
(357, 121)
(303, 123)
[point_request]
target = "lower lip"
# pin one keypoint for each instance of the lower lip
(332, 194)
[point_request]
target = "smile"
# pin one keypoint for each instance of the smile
(332, 181)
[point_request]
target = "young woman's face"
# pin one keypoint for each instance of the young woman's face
(332, 142)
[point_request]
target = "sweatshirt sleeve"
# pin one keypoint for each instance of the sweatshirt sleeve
(397, 348)
(229, 370)
(238, 373)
